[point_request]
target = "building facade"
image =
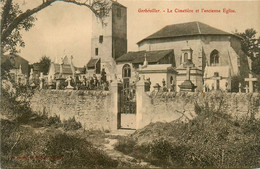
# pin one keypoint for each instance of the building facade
(209, 47)
(109, 40)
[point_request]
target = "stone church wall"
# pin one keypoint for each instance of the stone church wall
(91, 108)
(166, 107)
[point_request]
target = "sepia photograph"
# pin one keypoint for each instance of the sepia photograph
(130, 84)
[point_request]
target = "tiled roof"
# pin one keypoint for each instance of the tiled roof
(66, 69)
(139, 57)
(92, 63)
(186, 29)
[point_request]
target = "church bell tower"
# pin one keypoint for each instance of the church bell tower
(109, 40)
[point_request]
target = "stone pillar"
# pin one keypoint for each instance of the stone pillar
(115, 118)
(140, 108)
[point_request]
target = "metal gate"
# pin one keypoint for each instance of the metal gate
(127, 108)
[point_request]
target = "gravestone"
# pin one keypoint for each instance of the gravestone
(69, 85)
(187, 85)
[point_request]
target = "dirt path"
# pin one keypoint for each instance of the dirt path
(125, 160)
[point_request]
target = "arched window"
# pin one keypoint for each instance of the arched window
(126, 71)
(214, 58)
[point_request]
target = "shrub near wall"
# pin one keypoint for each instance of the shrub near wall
(91, 108)
(213, 138)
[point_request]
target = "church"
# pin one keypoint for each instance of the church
(189, 56)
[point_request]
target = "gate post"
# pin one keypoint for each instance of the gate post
(114, 90)
(140, 108)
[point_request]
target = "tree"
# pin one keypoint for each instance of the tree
(251, 47)
(45, 64)
(13, 19)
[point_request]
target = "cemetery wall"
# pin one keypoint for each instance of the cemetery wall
(91, 108)
(95, 109)
(166, 107)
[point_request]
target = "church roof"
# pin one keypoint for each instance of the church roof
(186, 29)
(139, 56)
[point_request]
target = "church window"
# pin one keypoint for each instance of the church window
(119, 12)
(185, 57)
(96, 51)
(126, 71)
(214, 58)
(101, 39)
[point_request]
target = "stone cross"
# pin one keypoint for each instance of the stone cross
(41, 80)
(69, 85)
(250, 81)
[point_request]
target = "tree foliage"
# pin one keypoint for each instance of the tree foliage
(14, 20)
(45, 64)
(250, 45)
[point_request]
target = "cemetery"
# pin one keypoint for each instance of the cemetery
(188, 97)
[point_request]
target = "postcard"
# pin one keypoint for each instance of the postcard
(130, 84)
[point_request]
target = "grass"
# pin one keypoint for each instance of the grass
(29, 140)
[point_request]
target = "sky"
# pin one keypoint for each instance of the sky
(65, 29)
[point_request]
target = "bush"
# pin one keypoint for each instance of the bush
(77, 153)
(211, 139)
(54, 121)
(54, 149)
(235, 80)
(71, 124)
(125, 145)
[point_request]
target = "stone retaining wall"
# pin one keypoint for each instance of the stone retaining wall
(166, 107)
(91, 108)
